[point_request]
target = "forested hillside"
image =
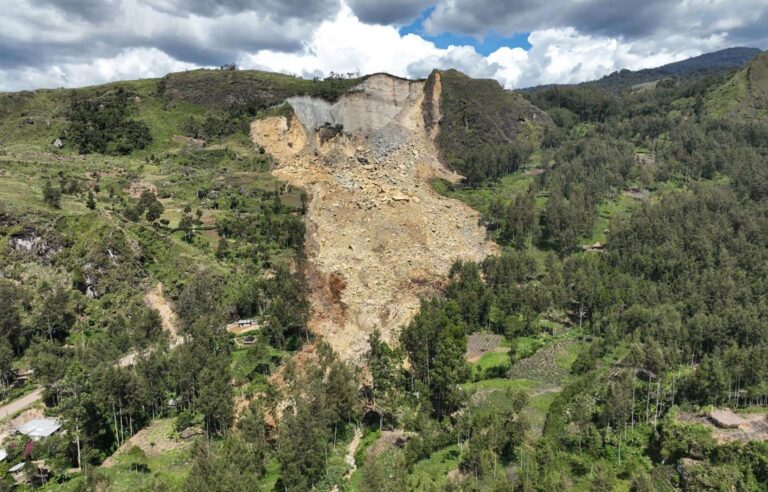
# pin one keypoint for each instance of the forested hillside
(635, 236)
(156, 291)
(706, 65)
(745, 95)
(714, 64)
(482, 130)
(137, 222)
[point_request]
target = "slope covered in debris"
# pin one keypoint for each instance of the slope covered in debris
(378, 235)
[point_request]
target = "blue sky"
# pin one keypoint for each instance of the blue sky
(485, 44)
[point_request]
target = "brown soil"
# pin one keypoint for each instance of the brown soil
(378, 236)
(155, 299)
(388, 440)
(536, 171)
(753, 428)
(437, 91)
(194, 142)
(136, 188)
(542, 366)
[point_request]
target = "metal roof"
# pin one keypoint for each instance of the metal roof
(39, 427)
(3, 454)
(16, 468)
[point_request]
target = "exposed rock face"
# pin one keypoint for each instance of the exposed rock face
(30, 242)
(378, 236)
(369, 107)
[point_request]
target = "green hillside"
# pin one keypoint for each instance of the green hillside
(627, 301)
(745, 95)
(148, 187)
(484, 130)
(716, 64)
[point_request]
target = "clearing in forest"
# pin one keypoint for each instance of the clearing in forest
(479, 344)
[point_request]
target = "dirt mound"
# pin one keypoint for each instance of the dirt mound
(378, 236)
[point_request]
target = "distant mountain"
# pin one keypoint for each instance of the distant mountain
(743, 96)
(715, 63)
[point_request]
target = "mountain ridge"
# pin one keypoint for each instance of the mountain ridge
(704, 65)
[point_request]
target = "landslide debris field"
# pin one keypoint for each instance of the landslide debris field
(378, 236)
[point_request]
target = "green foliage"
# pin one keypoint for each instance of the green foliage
(587, 104)
(51, 195)
(743, 96)
(319, 405)
(706, 65)
(246, 92)
(485, 131)
(385, 472)
(435, 342)
(236, 464)
(101, 124)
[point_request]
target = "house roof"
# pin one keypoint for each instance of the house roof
(16, 468)
(39, 427)
(3, 454)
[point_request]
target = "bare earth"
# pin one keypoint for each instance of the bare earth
(378, 236)
(20, 404)
(155, 299)
(753, 428)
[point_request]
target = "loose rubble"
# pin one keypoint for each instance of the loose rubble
(378, 236)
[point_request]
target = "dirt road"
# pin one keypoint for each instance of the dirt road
(157, 301)
(20, 404)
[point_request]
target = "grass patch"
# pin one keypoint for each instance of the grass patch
(167, 471)
(432, 473)
(501, 384)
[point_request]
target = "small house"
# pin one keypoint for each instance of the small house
(22, 376)
(245, 322)
(3, 454)
(37, 429)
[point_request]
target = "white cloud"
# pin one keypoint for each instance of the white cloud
(344, 44)
(131, 64)
(41, 48)
(559, 55)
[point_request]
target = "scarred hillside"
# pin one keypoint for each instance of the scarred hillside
(378, 235)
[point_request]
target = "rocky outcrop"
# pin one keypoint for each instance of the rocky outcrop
(31, 243)
(366, 109)
(378, 236)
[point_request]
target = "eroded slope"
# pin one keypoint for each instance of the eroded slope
(378, 235)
